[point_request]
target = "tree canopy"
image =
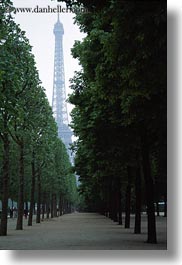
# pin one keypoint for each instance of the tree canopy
(120, 103)
(34, 163)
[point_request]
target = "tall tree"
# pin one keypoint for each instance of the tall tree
(119, 94)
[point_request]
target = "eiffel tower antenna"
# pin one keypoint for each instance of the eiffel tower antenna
(58, 16)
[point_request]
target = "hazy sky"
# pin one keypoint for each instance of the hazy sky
(39, 30)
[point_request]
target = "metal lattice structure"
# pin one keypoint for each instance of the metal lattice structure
(59, 105)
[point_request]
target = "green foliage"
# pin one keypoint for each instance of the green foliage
(27, 119)
(119, 94)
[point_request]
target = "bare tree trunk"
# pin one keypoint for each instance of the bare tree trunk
(120, 219)
(52, 206)
(38, 197)
(128, 200)
(107, 197)
(115, 206)
(110, 200)
(165, 205)
(19, 225)
(30, 218)
(137, 229)
(157, 208)
(47, 207)
(43, 205)
(5, 183)
(113, 202)
(60, 205)
(152, 237)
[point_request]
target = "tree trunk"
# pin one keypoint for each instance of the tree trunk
(19, 225)
(12, 204)
(52, 206)
(120, 219)
(5, 183)
(128, 200)
(26, 210)
(55, 206)
(110, 200)
(137, 229)
(115, 206)
(112, 212)
(66, 206)
(152, 238)
(34, 208)
(32, 191)
(107, 196)
(165, 205)
(60, 205)
(38, 197)
(47, 207)
(43, 205)
(157, 208)
(113, 202)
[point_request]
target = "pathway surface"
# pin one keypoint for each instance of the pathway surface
(81, 231)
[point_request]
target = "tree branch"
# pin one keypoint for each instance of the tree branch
(2, 136)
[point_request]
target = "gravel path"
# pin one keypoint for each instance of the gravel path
(81, 231)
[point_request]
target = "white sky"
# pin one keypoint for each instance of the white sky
(39, 31)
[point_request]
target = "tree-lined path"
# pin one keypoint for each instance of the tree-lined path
(119, 121)
(86, 231)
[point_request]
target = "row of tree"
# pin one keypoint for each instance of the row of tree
(34, 164)
(120, 112)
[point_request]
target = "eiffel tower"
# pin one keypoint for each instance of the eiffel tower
(59, 105)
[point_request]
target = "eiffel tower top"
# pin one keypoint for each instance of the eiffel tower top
(58, 27)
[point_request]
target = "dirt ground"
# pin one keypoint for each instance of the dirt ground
(82, 231)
